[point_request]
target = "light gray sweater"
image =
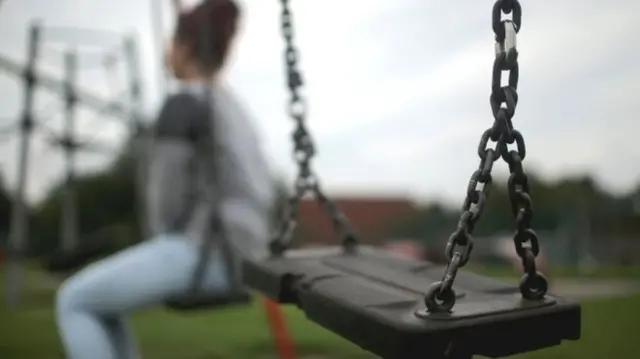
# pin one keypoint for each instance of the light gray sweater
(208, 168)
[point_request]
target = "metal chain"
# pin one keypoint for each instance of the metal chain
(303, 152)
(441, 296)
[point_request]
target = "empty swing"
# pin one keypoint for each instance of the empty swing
(385, 304)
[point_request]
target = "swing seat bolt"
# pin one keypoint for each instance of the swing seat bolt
(534, 286)
(438, 300)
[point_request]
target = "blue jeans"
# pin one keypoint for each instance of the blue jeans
(92, 306)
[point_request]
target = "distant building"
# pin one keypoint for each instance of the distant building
(410, 249)
(374, 218)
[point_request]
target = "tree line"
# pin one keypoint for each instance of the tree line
(107, 209)
(571, 202)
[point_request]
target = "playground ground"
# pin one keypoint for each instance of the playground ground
(611, 319)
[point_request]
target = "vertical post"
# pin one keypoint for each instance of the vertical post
(69, 227)
(139, 138)
(157, 29)
(19, 226)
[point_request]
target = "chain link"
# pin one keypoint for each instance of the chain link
(304, 150)
(441, 296)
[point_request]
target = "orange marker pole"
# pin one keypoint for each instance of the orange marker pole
(278, 325)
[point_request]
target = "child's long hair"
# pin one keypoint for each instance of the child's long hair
(215, 19)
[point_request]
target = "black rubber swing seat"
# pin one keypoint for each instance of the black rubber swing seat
(207, 301)
(376, 300)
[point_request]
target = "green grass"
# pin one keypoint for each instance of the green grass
(238, 333)
(610, 329)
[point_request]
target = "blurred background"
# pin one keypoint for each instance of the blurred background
(398, 96)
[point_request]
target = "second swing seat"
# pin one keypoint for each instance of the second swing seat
(376, 300)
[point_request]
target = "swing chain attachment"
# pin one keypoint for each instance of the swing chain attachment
(533, 286)
(306, 181)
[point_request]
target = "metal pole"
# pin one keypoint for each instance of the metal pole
(69, 227)
(139, 138)
(113, 108)
(157, 30)
(18, 235)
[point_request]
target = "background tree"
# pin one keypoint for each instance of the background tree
(5, 212)
(570, 201)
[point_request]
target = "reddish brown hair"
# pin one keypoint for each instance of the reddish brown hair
(208, 30)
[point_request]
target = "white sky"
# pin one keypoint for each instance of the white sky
(398, 89)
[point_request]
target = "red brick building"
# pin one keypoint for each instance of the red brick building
(372, 217)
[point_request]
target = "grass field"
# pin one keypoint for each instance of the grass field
(610, 329)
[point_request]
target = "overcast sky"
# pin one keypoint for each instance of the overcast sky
(398, 89)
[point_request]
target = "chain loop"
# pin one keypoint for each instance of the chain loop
(504, 99)
(306, 181)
